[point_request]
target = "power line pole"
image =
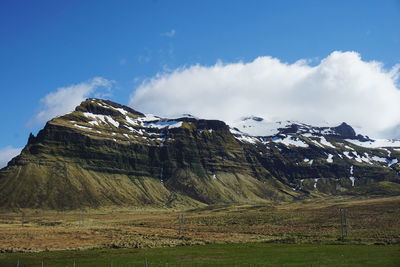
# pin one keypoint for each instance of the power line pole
(22, 218)
(343, 223)
(181, 224)
(161, 175)
(81, 218)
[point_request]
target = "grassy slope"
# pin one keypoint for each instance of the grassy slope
(241, 254)
(370, 222)
(42, 186)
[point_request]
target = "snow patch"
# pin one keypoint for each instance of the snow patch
(325, 142)
(104, 105)
(235, 131)
(353, 179)
(379, 159)
(163, 124)
(247, 139)
(102, 118)
(316, 143)
(121, 110)
(347, 154)
(378, 143)
(315, 182)
(306, 160)
(131, 121)
(290, 141)
(392, 162)
(255, 126)
(94, 123)
(82, 127)
(149, 118)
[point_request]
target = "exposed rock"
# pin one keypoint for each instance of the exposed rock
(105, 153)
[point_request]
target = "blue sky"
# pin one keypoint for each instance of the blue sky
(45, 45)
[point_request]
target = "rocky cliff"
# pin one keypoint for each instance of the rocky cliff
(106, 154)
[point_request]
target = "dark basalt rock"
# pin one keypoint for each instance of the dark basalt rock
(345, 131)
(66, 166)
(291, 129)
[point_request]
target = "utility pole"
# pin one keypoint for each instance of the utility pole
(343, 223)
(161, 175)
(181, 224)
(22, 218)
(81, 218)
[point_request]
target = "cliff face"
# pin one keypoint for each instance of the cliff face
(104, 154)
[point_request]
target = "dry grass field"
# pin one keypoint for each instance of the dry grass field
(369, 221)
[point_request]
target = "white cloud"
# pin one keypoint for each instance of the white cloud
(65, 99)
(7, 153)
(169, 34)
(341, 87)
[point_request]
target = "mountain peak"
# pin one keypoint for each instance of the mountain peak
(345, 130)
(104, 107)
(104, 153)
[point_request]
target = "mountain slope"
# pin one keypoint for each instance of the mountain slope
(105, 154)
(333, 160)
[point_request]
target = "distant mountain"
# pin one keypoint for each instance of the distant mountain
(105, 153)
(257, 126)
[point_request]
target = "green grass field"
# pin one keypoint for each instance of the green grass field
(250, 254)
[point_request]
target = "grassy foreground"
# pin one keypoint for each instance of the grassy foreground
(272, 234)
(254, 254)
(369, 222)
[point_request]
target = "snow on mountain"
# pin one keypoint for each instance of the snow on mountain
(247, 128)
(377, 143)
(257, 126)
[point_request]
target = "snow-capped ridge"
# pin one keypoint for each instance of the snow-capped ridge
(246, 129)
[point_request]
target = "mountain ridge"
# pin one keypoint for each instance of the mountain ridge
(105, 153)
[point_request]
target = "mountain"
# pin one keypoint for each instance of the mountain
(105, 154)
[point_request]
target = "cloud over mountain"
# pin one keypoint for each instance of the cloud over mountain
(65, 99)
(341, 87)
(7, 153)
